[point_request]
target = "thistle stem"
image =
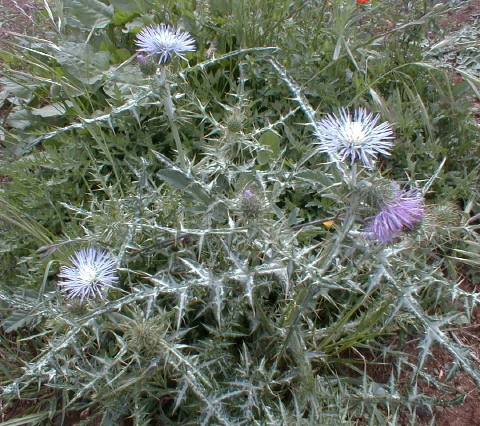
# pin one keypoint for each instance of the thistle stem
(170, 111)
(348, 222)
(353, 177)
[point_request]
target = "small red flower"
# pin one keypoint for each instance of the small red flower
(363, 1)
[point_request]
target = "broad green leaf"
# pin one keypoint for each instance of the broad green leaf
(121, 17)
(87, 14)
(120, 55)
(264, 157)
(16, 320)
(183, 182)
(124, 83)
(20, 119)
(20, 88)
(128, 6)
(136, 25)
(82, 62)
(53, 110)
(315, 177)
(272, 141)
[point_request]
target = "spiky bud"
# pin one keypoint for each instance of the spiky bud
(235, 122)
(441, 220)
(148, 65)
(144, 336)
(378, 192)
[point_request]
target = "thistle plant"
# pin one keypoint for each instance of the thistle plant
(148, 64)
(250, 205)
(249, 279)
(93, 272)
(164, 42)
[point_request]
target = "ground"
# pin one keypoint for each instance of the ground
(440, 361)
(19, 16)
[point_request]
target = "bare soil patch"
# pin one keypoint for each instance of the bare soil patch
(467, 15)
(18, 16)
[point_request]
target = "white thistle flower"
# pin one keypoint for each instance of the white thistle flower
(93, 271)
(164, 41)
(354, 137)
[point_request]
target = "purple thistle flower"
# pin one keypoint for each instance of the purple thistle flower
(249, 203)
(404, 210)
(164, 41)
(356, 137)
(93, 271)
(248, 194)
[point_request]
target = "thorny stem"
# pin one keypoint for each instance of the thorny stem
(335, 248)
(170, 111)
(353, 177)
(347, 224)
(309, 292)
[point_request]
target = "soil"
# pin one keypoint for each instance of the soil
(19, 16)
(467, 15)
(460, 397)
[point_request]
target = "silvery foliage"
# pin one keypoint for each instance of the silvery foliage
(234, 304)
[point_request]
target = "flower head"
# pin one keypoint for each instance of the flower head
(249, 202)
(93, 271)
(354, 137)
(404, 210)
(164, 41)
(248, 194)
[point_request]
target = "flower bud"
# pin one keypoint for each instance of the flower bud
(250, 204)
(234, 122)
(148, 66)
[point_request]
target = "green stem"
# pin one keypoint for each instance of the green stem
(348, 222)
(170, 111)
(353, 176)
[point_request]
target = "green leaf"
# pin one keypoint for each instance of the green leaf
(136, 25)
(128, 6)
(121, 17)
(124, 84)
(53, 110)
(183, 182)
(21, 89)
(315, 177)
(272, 141)
(16, 320)
(120, 55)
(264, 157)
(82, 62)
(87, 14)
(20, 119)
